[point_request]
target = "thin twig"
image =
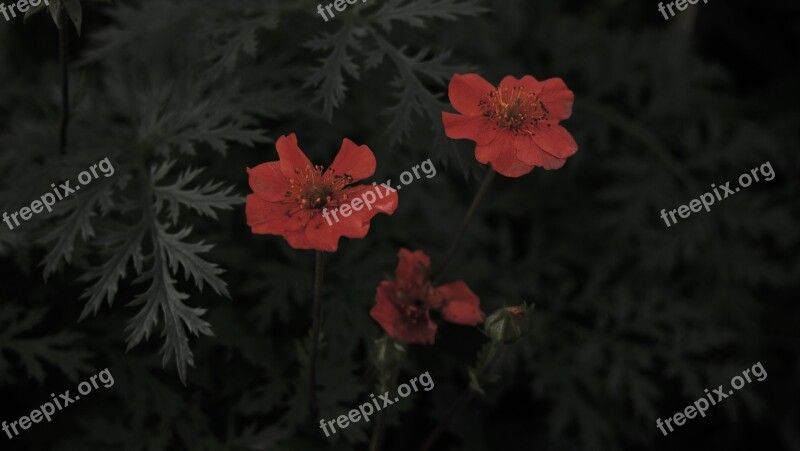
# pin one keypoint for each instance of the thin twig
(315, 327)
(487, 180)
(64, 56)
(63, 38)
(463, 400)
(377, 433)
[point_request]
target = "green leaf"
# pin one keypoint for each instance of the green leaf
(184, 255)
(82, 208)
(125, 244)
(329, 78)
(75, 13)
(415, 13)
(233, 30)
(55, 10)
(33, 11)
(474, 383)
(59, 350)
(162, 297)
(203, 199)
(183, 118)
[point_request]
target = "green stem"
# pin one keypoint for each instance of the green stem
(487, 180)
(63, 38)
(315, 327)
(380, 421)
(465, 398)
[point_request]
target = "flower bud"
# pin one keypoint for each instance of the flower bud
(507, 325)
(388, 354)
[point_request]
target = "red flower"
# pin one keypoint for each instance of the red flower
(402, 307)
(291, 195)
(515, 126)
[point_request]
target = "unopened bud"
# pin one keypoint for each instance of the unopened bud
(388, 354)
(507, 325)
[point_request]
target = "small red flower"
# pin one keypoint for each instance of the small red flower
(402, 307)
(515, 126)
(291, 195)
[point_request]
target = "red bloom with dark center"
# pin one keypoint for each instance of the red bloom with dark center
(516, 125)
(290, 196)
(402, 307)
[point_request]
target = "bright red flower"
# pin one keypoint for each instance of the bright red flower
(515, 126)
(290, 196)
(402, 307)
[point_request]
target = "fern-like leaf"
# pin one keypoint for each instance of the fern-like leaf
(58, 350)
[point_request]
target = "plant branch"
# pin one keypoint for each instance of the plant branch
(315, 328)
(63, 38)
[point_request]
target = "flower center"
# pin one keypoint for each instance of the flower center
(314, 189)
(316, 197)
(514, 109)
(414, 311)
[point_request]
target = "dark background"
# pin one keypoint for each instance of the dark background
(633, 319)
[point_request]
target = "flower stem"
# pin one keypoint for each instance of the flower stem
(315, 327)
(463, 400)
(377, 433)
(380, 421)
(63, 38)
(487, 180)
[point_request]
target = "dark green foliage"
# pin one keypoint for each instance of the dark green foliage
(54, 350)
(361, 43)
(632, 321)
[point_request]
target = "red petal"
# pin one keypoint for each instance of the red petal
(324, 233)
(466, 91)
(508, 165)
(354, 160)
(297, 239)
(556, 141)
(461, 305)
(487, 153)
(412, 267)
(326, 227)
(374, 200)
(424, 333)
(502, 155)
(291, 157)
(558, 98)
(476, 128)
(268, 181)
(528, 83)
(531, 154)
(272, 217)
